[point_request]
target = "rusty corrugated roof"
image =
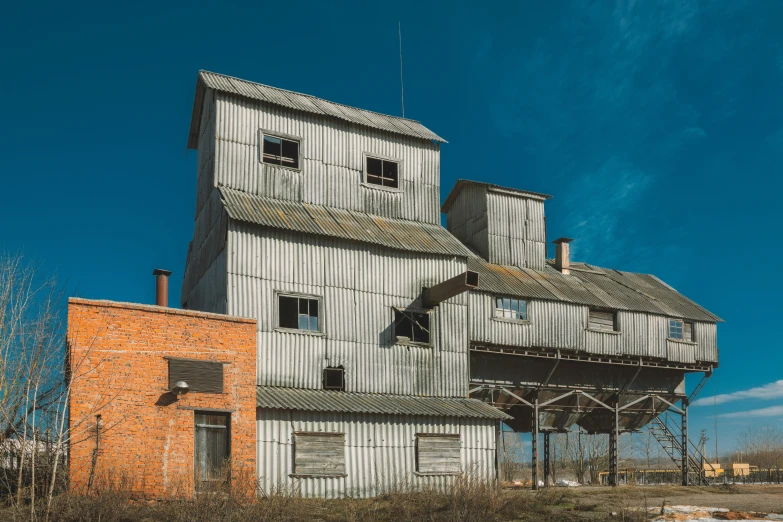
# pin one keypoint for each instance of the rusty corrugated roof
(591, 286)
(304, 103)
(411, 236)
(336, 401)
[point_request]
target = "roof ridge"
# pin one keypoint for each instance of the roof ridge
(308, 96)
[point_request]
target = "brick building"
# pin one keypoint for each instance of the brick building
(130, 422)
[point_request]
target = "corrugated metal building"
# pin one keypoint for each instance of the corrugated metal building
(322, 221)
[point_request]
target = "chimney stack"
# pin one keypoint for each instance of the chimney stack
(562, 255)
(161, 286)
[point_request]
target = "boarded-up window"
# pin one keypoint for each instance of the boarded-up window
(319, 454)
(201, 376)
(438, 454)
(681, 330)
(605, 321)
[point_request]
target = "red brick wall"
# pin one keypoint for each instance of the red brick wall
(118, 371)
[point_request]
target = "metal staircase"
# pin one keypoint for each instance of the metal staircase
(668, 433)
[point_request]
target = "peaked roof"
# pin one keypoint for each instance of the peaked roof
(300, 102)
(411, 236)
(592, 286)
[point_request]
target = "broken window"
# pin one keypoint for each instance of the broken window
(298, 313)
(319, 454)
(382, 172)
(212, 448)
(280, 151)
(602, 320)
(412, 326)
(509, 308)
(438, 454)
(334, 378)
(681, 330)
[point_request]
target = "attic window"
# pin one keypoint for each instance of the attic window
(509, 308)
(602, 320)
(680, 330)
(280, 151)
(411, 326)
(382, 172)
(298, 313)
(334, 378)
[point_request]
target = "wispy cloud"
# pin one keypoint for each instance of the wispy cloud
(773, 390)
(771, 411)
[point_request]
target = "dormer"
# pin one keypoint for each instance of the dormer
(289, 146)
(505, 226)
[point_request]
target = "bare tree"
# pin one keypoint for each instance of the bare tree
(762, 446)
(576, 453)
(511, 456)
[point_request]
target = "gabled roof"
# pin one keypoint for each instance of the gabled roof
(337, 401)
(461, 183)
(592, 286)
(300, 102)
(410, 236)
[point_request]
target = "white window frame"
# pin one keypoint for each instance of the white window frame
(321, 328)
(283, 136)
(495, 309)
(367, 184)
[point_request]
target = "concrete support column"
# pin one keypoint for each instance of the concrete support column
(684, 442)
(534, 444)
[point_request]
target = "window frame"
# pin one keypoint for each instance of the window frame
(420, 436)
(321, 324)
(324, 378)
(403, 310)
(615, 321)
(368, 184)
(683, 322)
(494, 317)
(229, 447)
(281, 136)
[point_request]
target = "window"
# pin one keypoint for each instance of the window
(280, 151)
(319, 454)
(507, 308)
(412, 326)
(298, 313)
(602, 320)
(681, 330)
(382, 172)
(438, 454)
(334, 378)
(201, 376)
(212, 448)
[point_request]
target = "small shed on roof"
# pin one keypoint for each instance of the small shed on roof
(300, 102)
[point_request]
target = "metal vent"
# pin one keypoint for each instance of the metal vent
(201, 376)
(334, 378)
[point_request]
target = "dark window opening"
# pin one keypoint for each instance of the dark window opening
(602, 320)
(382, 172)
(201, 376)
(212, 448)
(334, 378)
(298, 313)
(508, 308)
(281, 151)
(412, 326)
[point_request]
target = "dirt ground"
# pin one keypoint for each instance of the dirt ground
(767, 499)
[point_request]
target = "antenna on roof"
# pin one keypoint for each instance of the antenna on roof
(402, 87)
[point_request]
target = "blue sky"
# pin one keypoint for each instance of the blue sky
(656, 126)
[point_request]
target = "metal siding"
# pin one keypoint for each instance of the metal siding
(379, 451)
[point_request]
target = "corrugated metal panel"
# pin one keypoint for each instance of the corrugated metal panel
(334, 401)
(391, 233)
(380, 451)
(306, 103)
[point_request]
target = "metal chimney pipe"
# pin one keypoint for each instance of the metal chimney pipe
(161, 286)
(563, 254)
